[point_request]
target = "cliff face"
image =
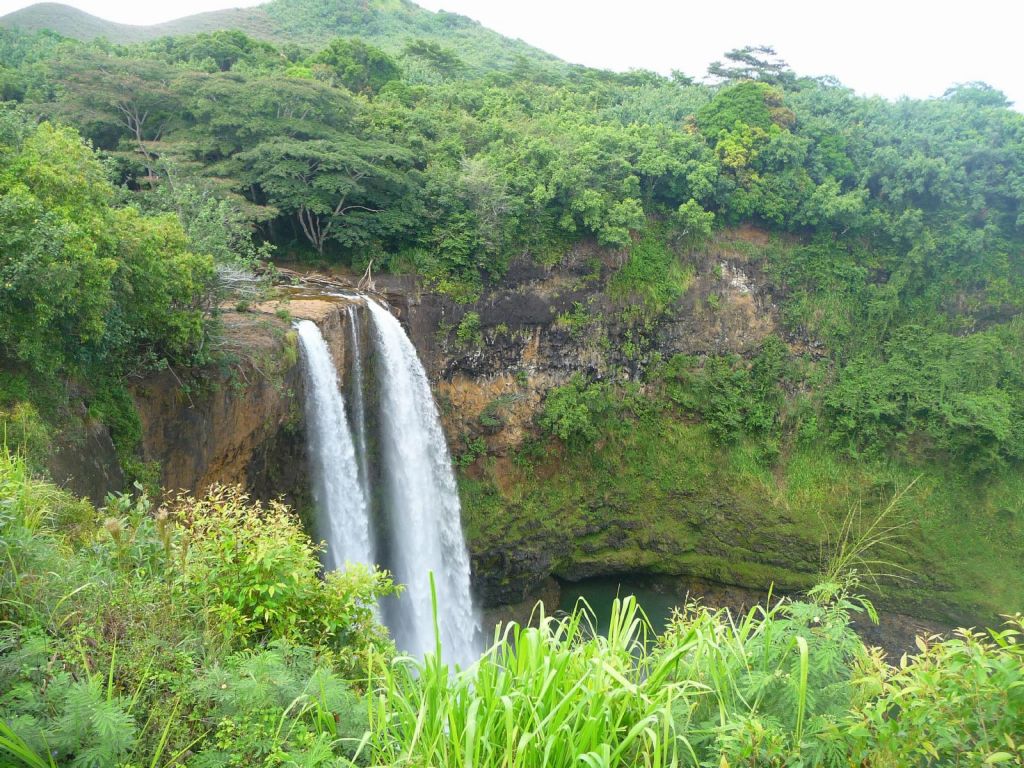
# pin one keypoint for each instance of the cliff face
(244, 424)
(227, 428)
(538, 326)
(667, 503)
(239, 422)
(536, 329)
(663, 497)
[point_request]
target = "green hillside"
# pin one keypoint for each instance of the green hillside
(389, 24)
(73, 23)
(760, 331)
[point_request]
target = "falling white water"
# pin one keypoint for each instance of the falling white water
(359, 401)
(422, 502)
(342, 516)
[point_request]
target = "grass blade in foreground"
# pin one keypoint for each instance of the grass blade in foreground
(554, 694)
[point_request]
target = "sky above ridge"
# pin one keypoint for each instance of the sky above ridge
(888, 47)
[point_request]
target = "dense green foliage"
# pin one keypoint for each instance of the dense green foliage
(733, 397)
(573, 411)
(904, 221)
(90, 290)
(84, 281)
(200, 634)
(135, 635)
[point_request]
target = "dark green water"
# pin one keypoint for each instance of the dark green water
(656, 599)
(659, 596)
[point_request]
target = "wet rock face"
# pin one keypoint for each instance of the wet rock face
(555, 321)
(536, 328)
(540, 325)
(85, 462)
(511, 572)
(718, 536)
(244, 425)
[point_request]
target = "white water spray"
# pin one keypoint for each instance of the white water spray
(343, 519)
(422, 504)
(359, 401)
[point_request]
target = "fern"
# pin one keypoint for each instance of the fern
(281, 701)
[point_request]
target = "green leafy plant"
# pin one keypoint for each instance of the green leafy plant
(468, 332)
(474, 448)
(572, 412)
(958, 701)
(257, 573)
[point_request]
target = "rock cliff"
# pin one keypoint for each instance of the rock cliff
(242, 422)
(491, 363)
(534, 330)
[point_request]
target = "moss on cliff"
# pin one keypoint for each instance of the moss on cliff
(659, 494)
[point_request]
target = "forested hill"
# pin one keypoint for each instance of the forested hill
(79, 25)
(390, 24)
(889, 245)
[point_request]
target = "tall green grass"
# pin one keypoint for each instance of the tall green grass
(762, 688)
(785, 685)
(556, 693)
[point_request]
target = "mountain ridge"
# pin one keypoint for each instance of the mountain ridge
(389, 24)
(68, 21)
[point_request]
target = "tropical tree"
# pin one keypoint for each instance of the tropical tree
(332, 187)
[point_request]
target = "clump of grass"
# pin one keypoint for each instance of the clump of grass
(551, 694)
(866, 549)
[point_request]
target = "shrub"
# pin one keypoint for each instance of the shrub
(953, 393)
(22, 430)
(136, 634)
(652, 274)
(468, 332)
(577, 321)
(777, 679)
(732, 396)
(571, 412)
(959, 702)
(256, 571)
(276, 706)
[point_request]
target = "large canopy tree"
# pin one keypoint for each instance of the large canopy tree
(116, 99)
(333, 187)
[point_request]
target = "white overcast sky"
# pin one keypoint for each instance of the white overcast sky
(888, 47)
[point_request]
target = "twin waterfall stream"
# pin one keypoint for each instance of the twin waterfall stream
(383, 485)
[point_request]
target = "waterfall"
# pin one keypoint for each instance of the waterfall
(421, 503)
(417, 528)
(342, 518)
(359, 401)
